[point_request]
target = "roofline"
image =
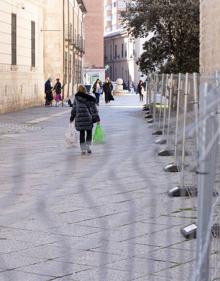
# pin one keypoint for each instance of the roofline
(82, 6)
(116, 34)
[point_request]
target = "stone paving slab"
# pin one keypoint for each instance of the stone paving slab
(101, 217)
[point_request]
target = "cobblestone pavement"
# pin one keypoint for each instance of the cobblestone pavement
(99, 217)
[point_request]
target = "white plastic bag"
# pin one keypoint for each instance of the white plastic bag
(71, 136)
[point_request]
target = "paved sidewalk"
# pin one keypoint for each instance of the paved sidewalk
(99, 217)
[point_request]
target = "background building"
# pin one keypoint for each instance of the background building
(94, 43)
(209, 36)
(113, 9)
(121, 50)
(21, 54)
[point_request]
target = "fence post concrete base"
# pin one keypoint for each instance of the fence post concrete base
(166, 152)
(160, 141)
(172, 168)
(183, 192)
(189, 231)
(157, 133)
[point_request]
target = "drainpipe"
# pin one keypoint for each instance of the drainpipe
(68, 50)
(63, 51)
(73, 61)
(113, 61)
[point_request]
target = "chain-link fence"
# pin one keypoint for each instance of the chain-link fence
(190, 133)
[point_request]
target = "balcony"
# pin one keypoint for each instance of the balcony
(80, 44)
(69, 36)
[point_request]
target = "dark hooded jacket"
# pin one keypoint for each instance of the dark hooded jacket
(84, 112)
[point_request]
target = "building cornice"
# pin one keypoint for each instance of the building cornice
(116, 34)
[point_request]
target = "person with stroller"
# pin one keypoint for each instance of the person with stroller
(85, 114)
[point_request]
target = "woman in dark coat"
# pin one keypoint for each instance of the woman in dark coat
(58, 89)
(48, 92)
(85, 113)
(97, 90)
(107, 89)
(140, 89)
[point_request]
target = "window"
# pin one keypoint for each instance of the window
(13, 39)
(65, 68)
(70, 68)
(33, 47)
(121, 4)
(110, 52)
(114, 4)
(126, 52)
(122, 50)
(116, 51)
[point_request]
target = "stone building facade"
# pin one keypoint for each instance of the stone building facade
(209, 36)
(21, 54)
(64, 42)
(121, 54)
(38, 39)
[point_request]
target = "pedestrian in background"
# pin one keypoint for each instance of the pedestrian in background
(97, 90)
(57, 88)
(140, 90)
(107, 89)
(132, 87)
(48, 92)
(85, 113)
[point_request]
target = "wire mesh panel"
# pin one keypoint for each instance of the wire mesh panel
(208, 243)
(172, 111)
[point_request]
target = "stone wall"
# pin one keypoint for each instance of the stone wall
(21, 85)
(209, 36)
(21, 90)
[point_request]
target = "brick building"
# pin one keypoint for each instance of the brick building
(210, 36)
(94, 43)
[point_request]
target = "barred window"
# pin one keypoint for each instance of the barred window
(13, 39)
(33, 47)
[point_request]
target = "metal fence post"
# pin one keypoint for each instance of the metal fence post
(174, 167)
(170, 108)
(208, 141)
(161, 100)
(163, 139)
(184, 131)
(177, 117)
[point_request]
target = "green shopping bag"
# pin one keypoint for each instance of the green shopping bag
(99, 135)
